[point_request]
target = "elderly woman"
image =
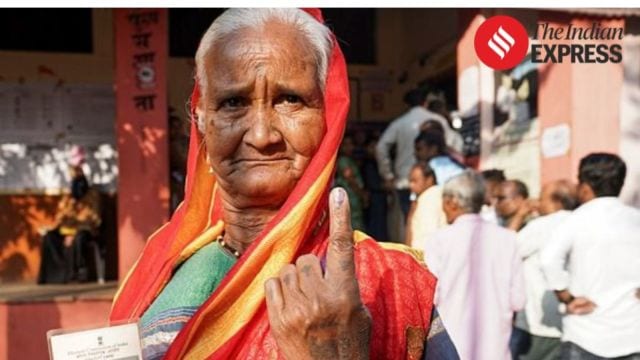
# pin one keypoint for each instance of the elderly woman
(260, 260)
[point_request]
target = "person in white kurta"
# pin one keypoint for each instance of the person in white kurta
(480, 283)
(541, 319)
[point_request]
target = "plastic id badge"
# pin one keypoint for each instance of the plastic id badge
(116, 342)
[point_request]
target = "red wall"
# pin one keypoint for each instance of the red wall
(586, 97)
(23, 327)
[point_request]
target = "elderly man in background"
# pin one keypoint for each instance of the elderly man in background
(512, 204)
(601, 240)
(479, 273)
(540, 324)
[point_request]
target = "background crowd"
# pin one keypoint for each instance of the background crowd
(518, 277)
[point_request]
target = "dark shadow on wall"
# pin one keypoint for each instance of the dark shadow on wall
(21, 217)
(13, 268)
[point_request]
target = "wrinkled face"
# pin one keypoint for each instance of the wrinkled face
(263, 113)
(418, 183)
(507, 200)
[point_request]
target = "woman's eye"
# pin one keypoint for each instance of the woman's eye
(289, 99)
(292, 99)
(233, 102)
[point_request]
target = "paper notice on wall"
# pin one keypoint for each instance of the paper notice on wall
(41, 122)
(51, 114)
(555, 141)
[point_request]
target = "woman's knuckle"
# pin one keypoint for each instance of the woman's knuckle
(306, 259)
(287, 271)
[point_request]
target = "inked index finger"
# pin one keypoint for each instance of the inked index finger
(340, 261)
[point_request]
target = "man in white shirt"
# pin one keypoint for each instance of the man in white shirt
(402, 132)
(601, 240)
(479, 273)
(541, 321)
(427, 215)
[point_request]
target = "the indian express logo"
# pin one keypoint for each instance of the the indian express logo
(501, 42)
(588, 45)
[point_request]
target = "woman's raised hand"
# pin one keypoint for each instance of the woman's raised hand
(316, 315)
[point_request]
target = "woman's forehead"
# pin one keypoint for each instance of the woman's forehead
(280, 49)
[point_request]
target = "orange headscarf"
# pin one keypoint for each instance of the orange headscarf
(233, 322)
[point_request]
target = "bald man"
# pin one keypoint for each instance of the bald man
(540, 323)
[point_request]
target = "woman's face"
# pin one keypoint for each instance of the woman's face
(263, 108)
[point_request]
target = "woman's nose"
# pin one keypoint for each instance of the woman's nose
(262, 132)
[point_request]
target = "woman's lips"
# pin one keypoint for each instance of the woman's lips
(262, 161)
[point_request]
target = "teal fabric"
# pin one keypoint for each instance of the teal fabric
(193, 282)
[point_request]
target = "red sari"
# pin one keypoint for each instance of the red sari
(232, 323)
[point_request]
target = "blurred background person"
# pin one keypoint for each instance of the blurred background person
(64, 246)
(401, 133)
(512, 206)
(427, 215)
(178, 147)
(601, 240)
(348, 177)
(492, 180)
(376, 212)
(479, 272)
(437, 103)
(431, 148)
(538, 327)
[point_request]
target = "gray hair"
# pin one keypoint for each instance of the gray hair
(467, 189)
(232, 20)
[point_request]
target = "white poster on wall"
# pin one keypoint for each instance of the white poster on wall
(556, 141)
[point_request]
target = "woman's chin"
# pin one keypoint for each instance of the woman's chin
(263, 192)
